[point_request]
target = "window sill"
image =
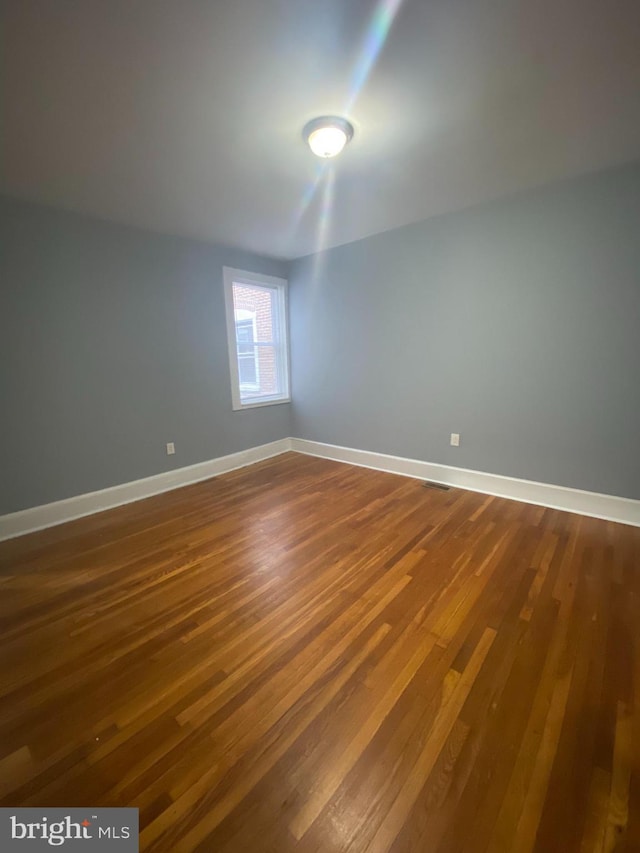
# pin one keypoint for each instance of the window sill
(259, 403)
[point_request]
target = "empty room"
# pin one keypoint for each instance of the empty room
(320, 426)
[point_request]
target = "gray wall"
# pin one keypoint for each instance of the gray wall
(112, 342)
(516, 324)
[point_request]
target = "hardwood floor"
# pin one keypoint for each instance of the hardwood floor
(308, 656)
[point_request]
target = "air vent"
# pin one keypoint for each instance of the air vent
(429, 484)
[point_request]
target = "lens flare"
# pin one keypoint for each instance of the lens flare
(326, 208)
(308, 196)
(324, 224)
(383, 17)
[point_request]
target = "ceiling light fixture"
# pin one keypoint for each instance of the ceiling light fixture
(327, 136)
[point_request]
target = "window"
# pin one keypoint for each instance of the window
(257, 332)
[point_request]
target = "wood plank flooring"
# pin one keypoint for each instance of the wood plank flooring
(309, 656)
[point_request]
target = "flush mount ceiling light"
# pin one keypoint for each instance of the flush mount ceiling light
(327, 136)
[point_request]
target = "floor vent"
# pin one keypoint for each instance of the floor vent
(429, 484)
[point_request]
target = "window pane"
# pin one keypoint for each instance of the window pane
(259, 372)
(247, 370)
(260, 302)
(247, 357)
(244, 332)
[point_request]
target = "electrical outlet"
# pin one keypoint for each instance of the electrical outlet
(171, 448)
(455, 439)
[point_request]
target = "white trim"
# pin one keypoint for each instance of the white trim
(267, 401)
(608, 507)
(48, 515)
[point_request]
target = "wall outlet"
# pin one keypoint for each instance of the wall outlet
(455, 439)
(171, 448)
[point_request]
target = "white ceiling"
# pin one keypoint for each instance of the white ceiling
(185, 116)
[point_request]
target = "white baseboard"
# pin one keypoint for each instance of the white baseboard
(608, 507)
(48, 515)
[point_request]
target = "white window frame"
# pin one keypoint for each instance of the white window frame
(233, 276)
